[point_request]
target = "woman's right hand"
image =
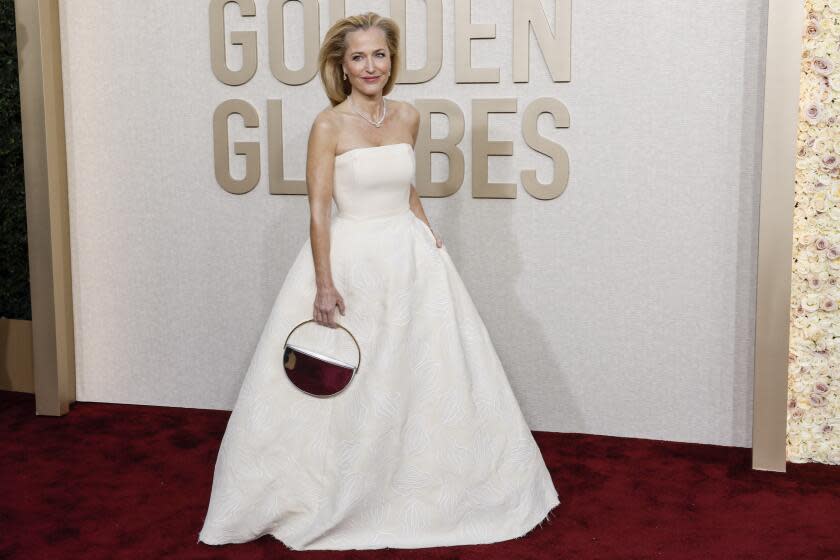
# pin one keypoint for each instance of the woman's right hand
(326, 300)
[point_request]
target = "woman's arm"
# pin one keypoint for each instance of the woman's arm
(320, 165)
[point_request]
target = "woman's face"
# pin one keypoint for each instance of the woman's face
(367, 60)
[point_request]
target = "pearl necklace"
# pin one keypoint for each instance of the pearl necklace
(376, 123)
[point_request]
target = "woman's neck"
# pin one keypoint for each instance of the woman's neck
(369, 105)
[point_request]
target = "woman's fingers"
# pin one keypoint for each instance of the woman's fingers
(319, 316)
(330, 318)
(325, 316)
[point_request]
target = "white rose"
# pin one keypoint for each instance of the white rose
(813, 332)
(810, 303)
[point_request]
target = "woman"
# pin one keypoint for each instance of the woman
(427, 446)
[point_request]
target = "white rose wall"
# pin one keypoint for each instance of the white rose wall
(813, 424)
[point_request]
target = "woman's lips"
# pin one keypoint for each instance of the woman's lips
(373, 79)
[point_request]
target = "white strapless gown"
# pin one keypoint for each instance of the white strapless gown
(427, 446)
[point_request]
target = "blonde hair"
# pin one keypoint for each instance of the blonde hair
(334, 46)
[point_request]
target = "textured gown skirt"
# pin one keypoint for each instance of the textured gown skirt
(427, 446)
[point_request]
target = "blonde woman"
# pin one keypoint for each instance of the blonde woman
(427, 446)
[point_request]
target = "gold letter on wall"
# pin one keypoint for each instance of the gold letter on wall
(556, 48)
(276, 42)
(481, 148)
(465, 32)
(251, 150)
(336, 11)
(248, 40)
(434, 42)
(561, 158)
(447, 145)
(277, 183)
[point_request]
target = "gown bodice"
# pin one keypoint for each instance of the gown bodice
(373, 181)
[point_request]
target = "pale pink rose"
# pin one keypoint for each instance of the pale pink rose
(827, 428)
(829, 161)
(812, 29)
(832, 281)
(817, 400)
(828, 304)
(821, 244)
(802, 152)
(814, 282)
(822, 65)
(831, 120)
(813, 112)
(792, 404)
(798, 412)
(821, 387)
(832, 253)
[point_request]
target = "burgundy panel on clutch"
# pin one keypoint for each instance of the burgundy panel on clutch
(315, 376)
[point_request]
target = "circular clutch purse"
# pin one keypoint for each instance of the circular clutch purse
(317, 373)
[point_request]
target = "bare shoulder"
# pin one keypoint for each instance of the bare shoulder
(409, 116)
(407, 111)
(324, 131)
(326, 121)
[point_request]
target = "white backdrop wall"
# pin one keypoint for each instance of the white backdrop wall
(623, 307)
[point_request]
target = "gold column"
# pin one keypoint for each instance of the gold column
(775, 236)
(47, 216)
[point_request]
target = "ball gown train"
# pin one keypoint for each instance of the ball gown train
(427, 446)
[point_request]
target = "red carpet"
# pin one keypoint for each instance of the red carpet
(124, 481)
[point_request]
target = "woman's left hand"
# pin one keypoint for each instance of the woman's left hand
(438, 240)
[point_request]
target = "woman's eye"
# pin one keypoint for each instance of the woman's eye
(357, 56)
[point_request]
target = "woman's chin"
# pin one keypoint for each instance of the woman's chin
(372, 88)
